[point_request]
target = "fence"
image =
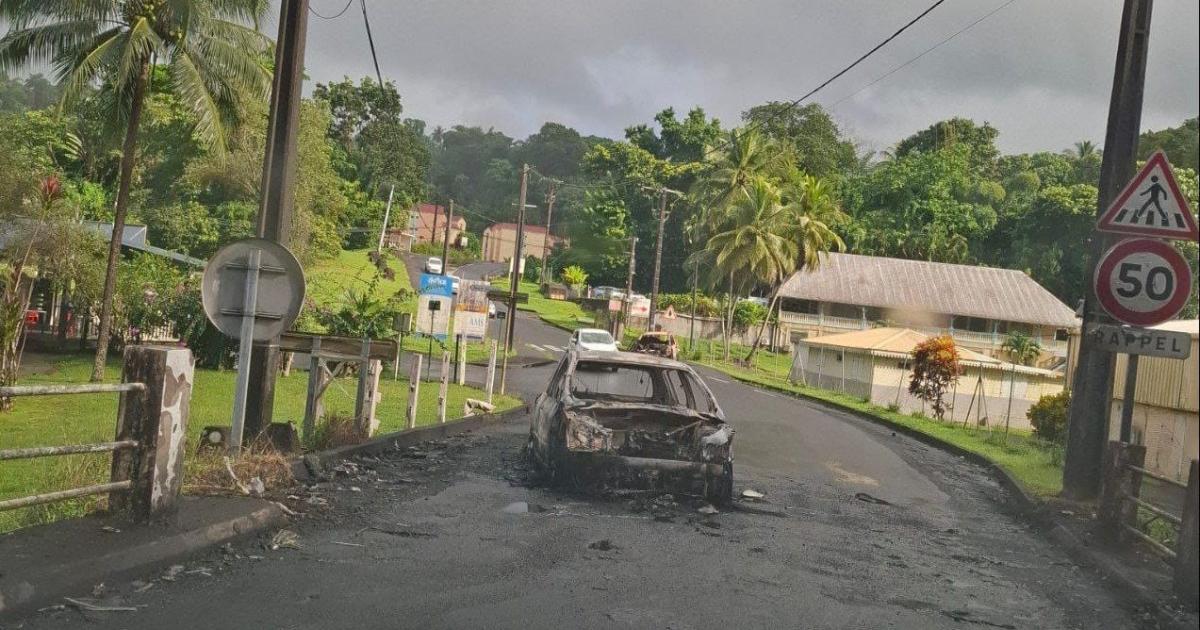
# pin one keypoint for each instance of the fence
(148, 451)
(1137, 504)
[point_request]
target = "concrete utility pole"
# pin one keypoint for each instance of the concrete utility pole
(446, 240)
(1087, 426)
(278, 186)
(433, 230)
(387, 215)
(662, 222)
(625, 304)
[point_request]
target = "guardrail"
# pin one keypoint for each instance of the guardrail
(147, 465)
(1138, 504)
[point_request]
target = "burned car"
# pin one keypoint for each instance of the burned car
(619, 420)
(658, 343)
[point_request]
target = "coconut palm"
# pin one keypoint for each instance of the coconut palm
(211, 58)
(746, 154)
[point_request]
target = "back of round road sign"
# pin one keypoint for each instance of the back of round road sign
(1142, 281)
(279, 288)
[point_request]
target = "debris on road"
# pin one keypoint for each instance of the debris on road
(285, 539)
(752, 494)
(708, 509)
(603, 544)
(173, 572)
(866, 498)
(92, 606)
(109, 529)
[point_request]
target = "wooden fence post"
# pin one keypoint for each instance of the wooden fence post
(444, 387)
(460, 364)
(157, 418)
(1187, 566)
(312, 400)
(1115, 510)
(414, 385)
(374, 395)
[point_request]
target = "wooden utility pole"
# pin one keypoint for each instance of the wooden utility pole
(278, 186)
(662, 222)
(1092, 384)
(387, 215)
(515, 280)
(550, 197)
(446, 240)
(433, 230)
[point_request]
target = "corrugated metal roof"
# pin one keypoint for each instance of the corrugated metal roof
(900, 341)
(930, 287)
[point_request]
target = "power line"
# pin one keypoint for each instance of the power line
(926, 52)
(795, 103)
(332, 17)
(371, 42)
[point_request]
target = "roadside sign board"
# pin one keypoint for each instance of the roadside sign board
(1151, 205)
(471, 309)
(434, 305)
(1143, 341)
(1142, 281)
(639, 307)
(278, 291)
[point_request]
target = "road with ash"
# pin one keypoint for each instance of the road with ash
(859, 528)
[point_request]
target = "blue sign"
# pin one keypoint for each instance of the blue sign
(432, 284)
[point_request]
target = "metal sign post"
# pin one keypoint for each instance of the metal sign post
(245, 306)
(245, 347)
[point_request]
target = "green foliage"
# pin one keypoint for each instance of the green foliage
(978, 143)
(184, 311)
(1181, 144)
(808, 135)
(682, 303)
(747, 314)
(574, 276)
(935, 369)
(533, 269)
(362, 314)
(599, 240)
(1049, 417)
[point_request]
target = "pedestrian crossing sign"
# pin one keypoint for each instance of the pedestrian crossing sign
(1151, 205)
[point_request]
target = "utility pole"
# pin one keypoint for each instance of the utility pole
(446, 240)
(1087, 425)
(662, 222)
(433, 230)
(278, 186)
(516, 277)
(545, 243)
(625, 304)
(387, 214)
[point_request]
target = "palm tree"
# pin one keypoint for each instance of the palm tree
(747, 154)
(211, 57)
(1023, 348)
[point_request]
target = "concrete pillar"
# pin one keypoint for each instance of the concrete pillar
(157, 418)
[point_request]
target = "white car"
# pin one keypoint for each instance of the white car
(433, 265)
(491, 310)
(593, 339)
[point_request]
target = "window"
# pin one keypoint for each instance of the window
(681, 389)
(598, 336)
(606, 381)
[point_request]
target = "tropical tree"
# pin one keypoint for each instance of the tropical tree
(746, 155)
(1021, 347)
(212, 60)
(767, 237)
(935, 369)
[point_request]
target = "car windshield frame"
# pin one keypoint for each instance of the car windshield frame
(662, 393)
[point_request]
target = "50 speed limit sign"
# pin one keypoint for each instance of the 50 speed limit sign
(1143, 281)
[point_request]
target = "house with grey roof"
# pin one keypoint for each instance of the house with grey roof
(978, 306)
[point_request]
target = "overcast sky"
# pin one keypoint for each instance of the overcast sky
(1039, 70)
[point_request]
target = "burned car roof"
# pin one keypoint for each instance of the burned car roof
(629, 358)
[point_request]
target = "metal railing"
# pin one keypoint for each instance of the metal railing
(70, 449)
(147, 450)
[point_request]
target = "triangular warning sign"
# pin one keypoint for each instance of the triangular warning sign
(1151, 205)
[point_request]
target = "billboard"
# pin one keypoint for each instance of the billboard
(471, 309)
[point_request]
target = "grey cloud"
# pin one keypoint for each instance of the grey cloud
(1040, 70)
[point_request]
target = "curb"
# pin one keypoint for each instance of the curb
(24, 594)
(303, 468)
(1028, 506)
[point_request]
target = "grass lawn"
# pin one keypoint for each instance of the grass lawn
(1037, 465)
(351, 270)
(560, 313)
(50, 420)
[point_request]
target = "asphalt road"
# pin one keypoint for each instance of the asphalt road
(859, 528)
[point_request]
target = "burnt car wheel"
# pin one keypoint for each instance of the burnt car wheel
(719, 490)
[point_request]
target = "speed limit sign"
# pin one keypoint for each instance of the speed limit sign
(1143, 281)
